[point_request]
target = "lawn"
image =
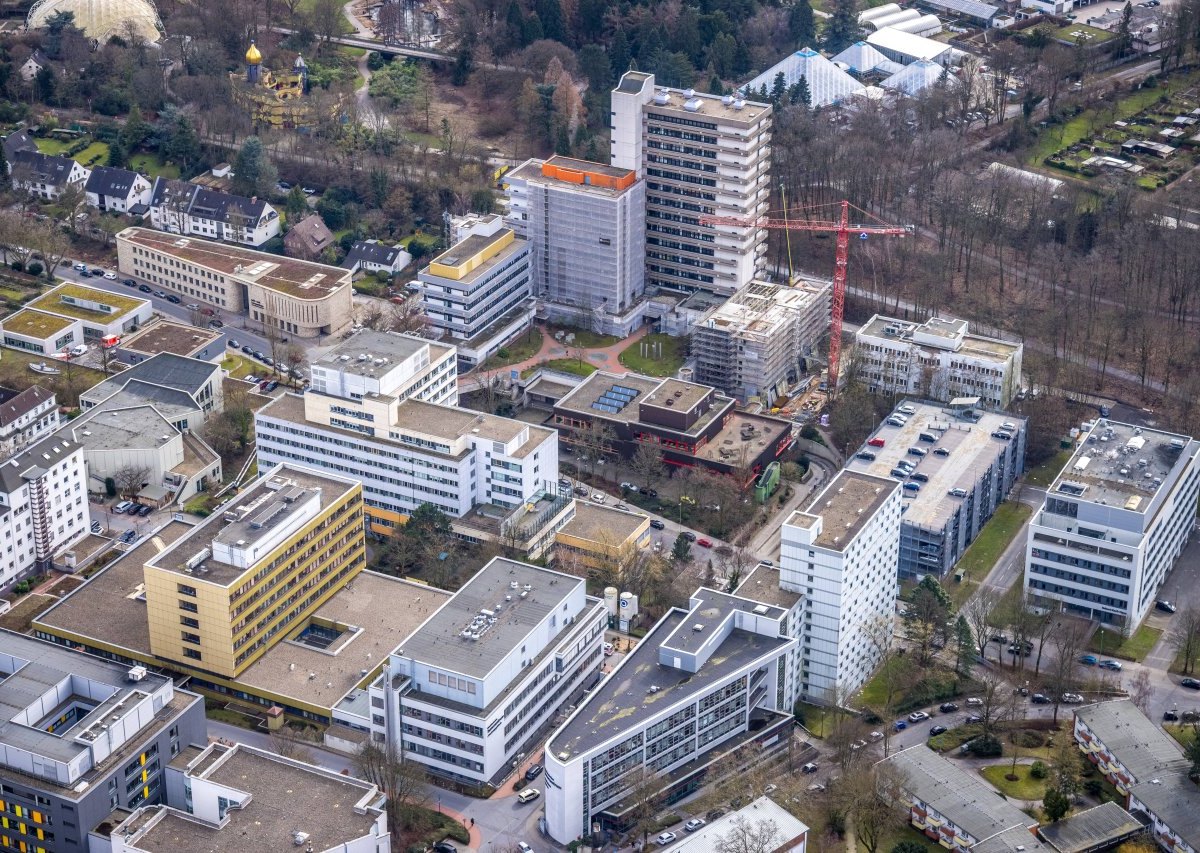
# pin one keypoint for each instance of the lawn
(673, 352)
(1087, 35)
(238, 367)
(1043, 475)
(15, 373)
(1184, 734)
(955, 737)
(586, 339)
(517, 350)
(152, 166)
(1136, 647)
(47, 145)
(564, 365)
(995, 536)
(905, 832)
(95, 154)
(1024, 788)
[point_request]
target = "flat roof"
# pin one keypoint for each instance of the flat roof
(1123, 466)
(285, 797)
(438, 641)
(166, 336)
(623, 702)
(177, 372)
(34, 324)
(1141, 746)
(849, 501)
(604, 524)
(980, 346)
(394, 348)
(682, 396)
(971, 447)
(764, 813)
(697, 106)
(51, 301)
(451, 422)
(762, 584)
(1087, 830)
(138, 427)
(743, 438)
(531, 170)
(294, 278)
(908, 44)
(591, 389)
(958, 793)
(278, 498)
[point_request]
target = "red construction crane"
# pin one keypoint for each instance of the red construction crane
(843, 228)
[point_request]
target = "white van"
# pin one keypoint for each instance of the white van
(528, 795)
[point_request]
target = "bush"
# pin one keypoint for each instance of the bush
(1027, 739)
(908, 847)
(21, 588)
(110, 487)
(986, 746)
(34, 268)
(1094, 787)
(1037, 770)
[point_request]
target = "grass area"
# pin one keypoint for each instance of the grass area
(238, 367)
(15, 374)
(955, 737)
(21, 616)
(1043, 475)
(817, 720)
(1134, 647)
(201, 505)
(232, 718)
(56, 147)
(564, 365)
(1025, 787)
(1082, 34)
(586, 339)
(517, 350)
(674, 351)
(95, 154)
(152, 166)
(995, 536)
(896, 834)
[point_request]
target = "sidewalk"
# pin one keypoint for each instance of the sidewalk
(603, 358)
(476, 836)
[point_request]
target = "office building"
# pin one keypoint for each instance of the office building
(763, 585)
(220, 796)
(73, 314)
(180, 207)
(586, 227)
(167, 336)
(1114, 522)
(955, 807)
(371, 365)
(698, 697)
(691, 424)
(43, 506)
(284, 295)
(478, 294)
(601, 540)
(216, 598)
(1145, 765)
(187, 389)
(840, 552)
(473, 686)
(938, 359)
(957, 465)
(26, 417)
(754, 345)
(81, 737)
(700, 155)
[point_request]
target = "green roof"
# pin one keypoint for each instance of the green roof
(52, 301)
(34, 324)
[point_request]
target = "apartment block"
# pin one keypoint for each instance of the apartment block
(474, 686)
(290, 296)
(220, 597)
(1114, 522)
(754, 345)
(80, 739)
(956, 465)
(840, 553)
(371, 364)
(482, 470)
(43, 506)
(219, 796)
(586, 227)
(938, 359)
(478, 294)
(696, 699)
(700, 155)
(26, 417)
(180, 207)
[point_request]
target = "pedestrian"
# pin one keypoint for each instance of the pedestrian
(472, 823)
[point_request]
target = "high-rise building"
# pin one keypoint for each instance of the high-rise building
(80, 738)
(218, 598)
(840, 553)
(1114, 522)
(478, 294)
(699, 155)
(753, 345)
(586, 226)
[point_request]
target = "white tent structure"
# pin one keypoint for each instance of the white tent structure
(102, 19)
(918, 77)
(905, 47)
(925, 25)
(893, 19)
(861, 58)
(878, 12)
(827, 84)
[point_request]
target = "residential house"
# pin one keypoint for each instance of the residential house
(183, 208)
(373, 256)
(33, 65)
(26, 416)
(308, 239)
(44, 175)
(117, 190)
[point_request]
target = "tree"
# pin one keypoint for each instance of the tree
(296, 204)
(842, 27)
(401, 781)
(110, 487)
(294, 359)
(1055, 805)
(135, 130)
(1185, 636)
(1192, 750)
(647, 464)
(1067, 768)
(287, 743)
(130, 479)
(254, 174)
(909, 847)
(1141, 691)
(926, 617)
(801, 26)
(964, 647)
(978, 612)
(1068, 637)
(871, 798)
(645, 795)
(681, 551)
(751, 836)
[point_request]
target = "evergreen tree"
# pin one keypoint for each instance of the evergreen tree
(715, 86)
(254, 174)
(778, 88)
(44, 84)
(551, 15)
(463, 66)
(117, 155)
(1055, 804)
(799, 93)
(532, 31)
(681, 551)
(135, 131)
(296, 204)
(801, 25)
(619, 54)
(841, 30)
(182, 144)
(515, 20)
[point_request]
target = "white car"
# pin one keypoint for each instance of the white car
(975, 702)
(78, 350)
(523, 847)
(110, 275)
(666, 838)
(1072, 698)
(693, 824)
(907, 409)
(598, 497)
(770, 789)
(917, 716)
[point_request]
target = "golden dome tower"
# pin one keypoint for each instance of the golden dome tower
(253, 63)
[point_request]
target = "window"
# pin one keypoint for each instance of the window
(189, 607)
(189, 621)
(190, 638)
(184, 589)
(192, 653)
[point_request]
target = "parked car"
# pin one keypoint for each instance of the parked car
(599, 497)
(97, 272)
(534, 771)
(528, 795)
(704, 543)
(907, 409)
(1165, 606)
(972, 719)
(145, 288)
(1190, 683)
(1110, 664)
(666, 837)
(936, 730)
(1014, 649)
(523, 847)
(161, 294)
(811, 767)
(1040, 699)
(876, 736)
(271, 386)
(1072, 698)
(1089, 660)
(901, 725)
(650, 493)
(128, 282)
(444, 846)
(216, 324)
(688, 535)
(609, 649)
(770, 789)
(999, 638)
(84, 274)
(122, 507)
(144, 510)
(78, 350)
(110, 275)
(97, 527)
(693, 824)
(233, 344)
(815, 788)
(629, 487)
(948, 708)
(917, 716)
(79, 267)
(1170, 716)
(128, 536)
(974, 702)
(657, 525)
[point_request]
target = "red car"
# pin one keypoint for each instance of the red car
(704, 543)
(877, 442)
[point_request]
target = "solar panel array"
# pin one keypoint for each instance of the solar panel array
(615, 399)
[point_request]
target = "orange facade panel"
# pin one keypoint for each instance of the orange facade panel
(590, 178)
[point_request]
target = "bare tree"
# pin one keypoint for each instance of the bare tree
(130, 479)
(286, 742)
(751, 836)
(647, 464)
(870, 803)
(978, 613)
(1068, 637)
(53, 244)
(1185, 636)
(401, 781)
(645, 795)
(1141, 691)
(294, 359)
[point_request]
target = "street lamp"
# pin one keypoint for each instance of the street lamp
(439, 803)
